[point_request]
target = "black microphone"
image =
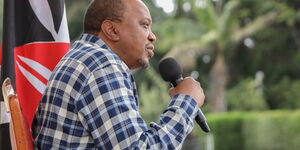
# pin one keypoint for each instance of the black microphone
(171, 72)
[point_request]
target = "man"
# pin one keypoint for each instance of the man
(91, 98)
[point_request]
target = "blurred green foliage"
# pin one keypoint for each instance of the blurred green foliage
(273, 50)
(170, 33)
(271, 130)
(246, 95)
(75, 14)
(285, 94)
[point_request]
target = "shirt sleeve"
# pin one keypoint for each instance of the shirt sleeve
(109, 112)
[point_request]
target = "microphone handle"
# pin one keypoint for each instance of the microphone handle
(201, 121)
(200, 118)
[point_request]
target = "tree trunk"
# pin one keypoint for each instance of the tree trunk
(217, 83)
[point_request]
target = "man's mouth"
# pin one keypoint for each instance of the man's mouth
(150, 50)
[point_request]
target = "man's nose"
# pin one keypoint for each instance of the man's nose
(152, 37)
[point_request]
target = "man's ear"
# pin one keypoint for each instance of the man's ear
(110, 31)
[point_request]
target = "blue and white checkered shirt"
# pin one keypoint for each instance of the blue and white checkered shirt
(91, 102)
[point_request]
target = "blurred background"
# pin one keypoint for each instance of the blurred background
(245, 53)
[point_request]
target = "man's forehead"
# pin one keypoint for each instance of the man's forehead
(138, 7)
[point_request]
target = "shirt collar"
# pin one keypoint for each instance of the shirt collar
(99, 42)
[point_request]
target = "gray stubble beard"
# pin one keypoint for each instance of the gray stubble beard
(143, 63)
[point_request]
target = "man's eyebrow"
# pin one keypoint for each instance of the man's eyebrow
(149, 20)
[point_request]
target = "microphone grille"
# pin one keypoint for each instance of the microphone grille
(169, 69)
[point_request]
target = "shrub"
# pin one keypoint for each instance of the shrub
(284, 95)
(272, 130)
(245, 96)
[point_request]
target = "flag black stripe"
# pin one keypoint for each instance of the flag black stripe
(28, 27)
(57, 9)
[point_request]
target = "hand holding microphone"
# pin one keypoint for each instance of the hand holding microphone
(190, 87)
(171, 71)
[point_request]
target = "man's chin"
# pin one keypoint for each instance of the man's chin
(143, 63)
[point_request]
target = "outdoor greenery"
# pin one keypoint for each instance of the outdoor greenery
(270, 130)
(245, 96)
(245, 53)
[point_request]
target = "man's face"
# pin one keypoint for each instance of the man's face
(136, 38)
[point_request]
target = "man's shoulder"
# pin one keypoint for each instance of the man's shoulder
(90, 56)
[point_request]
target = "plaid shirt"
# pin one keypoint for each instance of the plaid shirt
(91, 102)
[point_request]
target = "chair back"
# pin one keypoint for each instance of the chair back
(20, 134)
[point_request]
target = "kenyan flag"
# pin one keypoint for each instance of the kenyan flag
(35, 37)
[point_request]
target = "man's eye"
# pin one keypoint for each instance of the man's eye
(146, 25)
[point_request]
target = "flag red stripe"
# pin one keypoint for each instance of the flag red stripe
(48, 55)
(32, 71)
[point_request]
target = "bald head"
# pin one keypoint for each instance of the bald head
(100, 10)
